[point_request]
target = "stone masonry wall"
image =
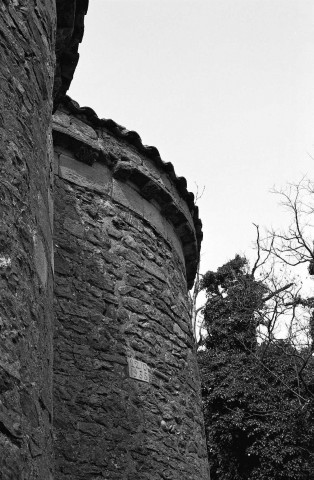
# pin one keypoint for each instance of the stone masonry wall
(27, 37)
(121, 292)
(127, 243)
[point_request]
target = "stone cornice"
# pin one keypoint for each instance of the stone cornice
(183, 214)
(88, 115)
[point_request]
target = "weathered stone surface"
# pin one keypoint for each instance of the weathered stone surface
(121, 293)
(27, 65)
(70, 29)
(131, 161)
(127, 244)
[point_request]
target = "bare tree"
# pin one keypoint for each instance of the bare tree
(294, 245)
(196, 307)
(290, 313)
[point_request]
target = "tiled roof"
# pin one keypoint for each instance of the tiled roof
(150, 152)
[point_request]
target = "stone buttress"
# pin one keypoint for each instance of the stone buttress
(127, 399)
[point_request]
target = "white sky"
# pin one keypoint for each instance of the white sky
(223, 88)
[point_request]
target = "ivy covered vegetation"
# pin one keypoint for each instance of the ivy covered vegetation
(257, 353)
(258, 391)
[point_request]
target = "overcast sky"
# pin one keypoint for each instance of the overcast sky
(223, 88)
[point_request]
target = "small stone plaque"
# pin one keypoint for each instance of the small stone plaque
(138, 370)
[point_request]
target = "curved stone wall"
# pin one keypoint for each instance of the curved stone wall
(26, 75)
(127, 401)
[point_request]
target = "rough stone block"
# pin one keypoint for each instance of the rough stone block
(96, 178)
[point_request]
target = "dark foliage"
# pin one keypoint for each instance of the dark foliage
(258, 408)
